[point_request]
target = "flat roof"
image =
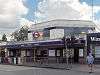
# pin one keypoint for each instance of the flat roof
(63, 23)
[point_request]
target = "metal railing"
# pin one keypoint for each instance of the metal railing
(32, 60)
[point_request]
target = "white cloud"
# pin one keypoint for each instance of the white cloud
(10, 12)
(84, 9)
(97, 22)
(56, 9)
(25, 22)
(65, 9)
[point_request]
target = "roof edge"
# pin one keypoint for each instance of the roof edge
(62, 20)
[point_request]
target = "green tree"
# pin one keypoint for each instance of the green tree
(4, 38)
(22, 34)
(16, 36)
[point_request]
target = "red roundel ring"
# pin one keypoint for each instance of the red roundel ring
(36, 34)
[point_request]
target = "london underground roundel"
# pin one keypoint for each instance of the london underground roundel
(36, 34)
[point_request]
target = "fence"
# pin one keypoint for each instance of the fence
(32, 60)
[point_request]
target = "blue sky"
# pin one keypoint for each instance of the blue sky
(95, 2)
(32, 5)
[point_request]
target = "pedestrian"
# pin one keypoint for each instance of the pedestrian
(90, 60)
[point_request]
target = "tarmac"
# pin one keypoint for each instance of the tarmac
(74, 69)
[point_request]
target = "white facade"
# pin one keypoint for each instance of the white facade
(56, 33)
(3, 43)
(30, 36)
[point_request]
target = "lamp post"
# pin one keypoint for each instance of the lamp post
(67, 52)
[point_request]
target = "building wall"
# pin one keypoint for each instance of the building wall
(56, 33)
(70, 27)
(59, 32)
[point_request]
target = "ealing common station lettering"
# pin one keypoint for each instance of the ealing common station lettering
(95, 39)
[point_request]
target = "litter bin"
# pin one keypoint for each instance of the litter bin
(9, 60)
(19, 61)
(14, 60)
(0, 60)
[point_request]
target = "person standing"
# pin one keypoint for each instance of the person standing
(90, 60)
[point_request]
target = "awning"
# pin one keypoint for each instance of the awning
(35, 44)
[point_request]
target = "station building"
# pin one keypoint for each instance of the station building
(50, 40)
(93, 44)
(57, 29)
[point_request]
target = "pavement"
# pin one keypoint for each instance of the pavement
(85, 69)
(76, 69)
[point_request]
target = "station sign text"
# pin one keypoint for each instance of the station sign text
(95, 38)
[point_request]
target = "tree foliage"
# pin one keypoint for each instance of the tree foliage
(22, 34)
(4, 38)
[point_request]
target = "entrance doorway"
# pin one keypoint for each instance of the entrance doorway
(76, 55)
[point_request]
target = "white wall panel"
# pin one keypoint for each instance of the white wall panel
(56, 33)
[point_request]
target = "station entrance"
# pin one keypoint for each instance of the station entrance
(78, 55)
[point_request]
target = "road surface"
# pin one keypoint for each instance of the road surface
(21, 70)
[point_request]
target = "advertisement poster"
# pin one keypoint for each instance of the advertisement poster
(51, 52)
(81, 52)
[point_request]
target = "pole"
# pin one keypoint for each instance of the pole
(67, 55)
(92, 11)
(34, 55)
(35, 10)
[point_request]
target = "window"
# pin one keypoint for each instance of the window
(28, 52)
(58, 52)
(22, 53)
(81, 52)
(51, 52)
(97, 51)
(38, 52)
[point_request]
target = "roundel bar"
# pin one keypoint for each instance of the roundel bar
(36, 34)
